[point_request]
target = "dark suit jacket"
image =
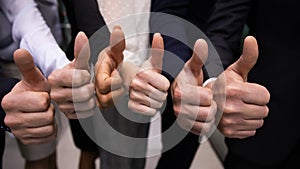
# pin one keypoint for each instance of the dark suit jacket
(276, 26)
(6, 84)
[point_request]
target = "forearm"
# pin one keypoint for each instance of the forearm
(31, 30)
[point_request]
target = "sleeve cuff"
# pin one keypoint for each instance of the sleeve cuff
(208, 81)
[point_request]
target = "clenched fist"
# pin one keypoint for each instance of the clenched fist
(29, 112)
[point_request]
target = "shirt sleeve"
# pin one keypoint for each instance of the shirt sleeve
(31, 30)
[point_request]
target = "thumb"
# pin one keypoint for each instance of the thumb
(157, 52)
(200, 54)
(31, 74)
(248, 59)
(117, 45)
(81, 51)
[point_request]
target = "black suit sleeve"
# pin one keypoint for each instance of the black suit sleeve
(225, 27)
(6, 84)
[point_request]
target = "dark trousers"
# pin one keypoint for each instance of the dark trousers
(180, 156)
(6, 84)
(291, 162)
(2, 145)
(122, 125)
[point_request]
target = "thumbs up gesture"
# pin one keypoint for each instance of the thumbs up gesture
(246, 103)
(193, 104)
(108, 81)
(71, 86)
(148, 88)
(29, 112)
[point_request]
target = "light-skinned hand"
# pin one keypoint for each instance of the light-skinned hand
(71, 86)
(246, 103)
(193, 104)
(29, 112)
(108, 81)
(149, 89)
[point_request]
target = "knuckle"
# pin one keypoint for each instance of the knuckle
(101, 87)
(227, 121)
(143, 74)
(6, 104)
(160, 104)
(166, 84)
(260, 123)
(49, 130)
(80, 77)
(150, 112)
(105, 101)
(55, 95)
(49, 117)
(176, 109)
(52, 77)
(203, 114)
(228, 108)
(10, 121)
(91, 89)
(54, 135)
(132, 106)
(25, 141)
(165, 95)
(211, 114)
(233, 91)
(206, 128)
(133, 95)
(229, 133)
(135, 83)
(207, 97)
(251, 133)
(86, 92)
(177, 93)
(91, 103)
(266, 112)
(266, 95)
(44, 101)
(64, 109)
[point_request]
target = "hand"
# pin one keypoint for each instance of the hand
(108, 81)
(71, 86)
(149, 89)
(29, 112)
(193, 104)
(246, 103)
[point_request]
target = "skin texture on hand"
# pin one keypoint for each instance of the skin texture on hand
(246, 103)
(149, 89)
(29, 112)
(193, 104)
(108, 81)
(71, 86)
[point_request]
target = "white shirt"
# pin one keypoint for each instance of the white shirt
(33, 34)
(133, 16)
